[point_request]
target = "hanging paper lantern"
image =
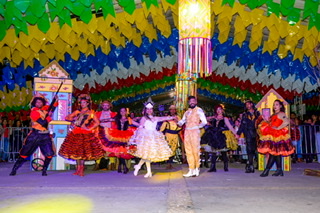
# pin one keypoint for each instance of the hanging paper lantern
(194, 56)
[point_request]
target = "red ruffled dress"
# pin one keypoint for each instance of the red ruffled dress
(273, 141)
(81, 144)
(116, 140)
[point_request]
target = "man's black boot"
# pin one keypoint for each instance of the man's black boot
(17, 165)
(45, 166)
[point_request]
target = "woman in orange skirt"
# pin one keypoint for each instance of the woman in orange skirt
(82, 142)
(274, 138)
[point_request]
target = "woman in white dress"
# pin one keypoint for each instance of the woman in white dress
(151, 145)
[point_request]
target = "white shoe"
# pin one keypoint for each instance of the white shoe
(136, 170)
(196, 172)
(189, 174)
(148, 175)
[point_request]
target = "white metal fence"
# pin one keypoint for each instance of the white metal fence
(308, 145)
(11, 142)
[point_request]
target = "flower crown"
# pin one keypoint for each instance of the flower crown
(84, 97)
(218, 106)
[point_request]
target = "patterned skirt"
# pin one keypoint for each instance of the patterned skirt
(150, 145)
(273, 141)
(81, 144)
(116, 142)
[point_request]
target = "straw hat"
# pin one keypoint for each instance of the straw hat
(172, 107)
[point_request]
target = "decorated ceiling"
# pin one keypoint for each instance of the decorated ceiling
(126, 50)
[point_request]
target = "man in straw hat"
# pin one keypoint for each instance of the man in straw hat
(171, 131)
(39, 136)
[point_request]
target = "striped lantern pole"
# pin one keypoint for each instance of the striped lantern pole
(194, 53)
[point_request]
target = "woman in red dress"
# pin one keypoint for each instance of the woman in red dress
(116, 139)
(82, 142)
(275, 138)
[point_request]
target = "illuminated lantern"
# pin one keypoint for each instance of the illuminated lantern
(194, 54)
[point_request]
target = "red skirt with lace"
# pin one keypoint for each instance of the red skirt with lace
(116, 142)
(274, 141)
(81, 144)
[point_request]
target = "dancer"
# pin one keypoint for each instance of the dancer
(248, 128)
(39, 136)
(82, 143)
(106, 119)
(106, 116)
(219, 138)
(275, 138)
(151, 144)
(194, 118)
(117, 139)
(171, 131)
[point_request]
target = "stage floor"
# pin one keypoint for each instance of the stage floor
(167, 191)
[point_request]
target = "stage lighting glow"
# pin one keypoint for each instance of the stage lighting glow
(53, 203)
